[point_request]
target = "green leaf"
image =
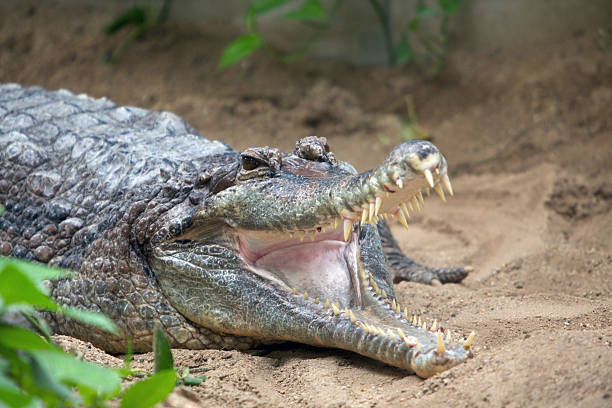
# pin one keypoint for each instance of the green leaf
(35, 271)
(189, 380)
(240, 48)
(12, 396)
(310, 10)
(425, 12)
(132, 16)
(403, 51)
(151, 391)
(51, 384)
(103, 381)
(17, 288)
(162, 352)
(92, 318)
(22, 339)
(413, 24)
(449, 6)
(2, 210)
(258, 7)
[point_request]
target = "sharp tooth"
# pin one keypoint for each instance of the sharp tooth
(317, 301)
(302, 233)
(416, 204)
(405, 312)
(291, 234)
(437, 170)
(352, 316)
(414, 320)
(440, 192)
(305, 296)
(371, 213)
(374, 285)
(468, 342)
(421, 199)
(448, 336)
(401, 333)
(348, 226)
(402, 218)
(327, 303)
(364, 327)
(434, 325)
(335, 309)
(411, 341)
(440, 349)
(393, 305)
(335, 222)
(323, 229)
(312, 236)
(447, 184)
(404, 209)
(419, 323)
(390, 333)
(424, 327)
(294, 291)
(409, 204)
(429, 177)
(383, 294)
(364, 216)
(399, 182)
(418, 347)
(378, 204)
(382, 332)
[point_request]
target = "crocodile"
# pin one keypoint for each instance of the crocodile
(219, 248)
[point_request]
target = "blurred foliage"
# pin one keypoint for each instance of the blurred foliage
(35, 372)
(137, 20)
(414, 45)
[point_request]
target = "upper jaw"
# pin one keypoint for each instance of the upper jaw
(304, 207)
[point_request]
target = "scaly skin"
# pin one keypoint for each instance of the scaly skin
(222, 249)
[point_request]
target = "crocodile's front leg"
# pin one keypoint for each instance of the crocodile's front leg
(404, 268)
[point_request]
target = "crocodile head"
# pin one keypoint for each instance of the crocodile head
(284, 247)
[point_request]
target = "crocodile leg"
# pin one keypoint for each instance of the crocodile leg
(404, 268)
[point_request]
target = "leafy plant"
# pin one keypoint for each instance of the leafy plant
(414, 45)
(310, 12)
(430, 49)
(140, 19)
(35, 372)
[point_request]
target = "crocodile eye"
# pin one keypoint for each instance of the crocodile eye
(250, 163)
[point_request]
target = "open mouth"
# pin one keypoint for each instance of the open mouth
(323, 267)
(324, 262)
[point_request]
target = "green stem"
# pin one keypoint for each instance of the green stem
(383, 11)
(38, 325)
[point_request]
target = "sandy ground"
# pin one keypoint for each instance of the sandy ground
(528, 137)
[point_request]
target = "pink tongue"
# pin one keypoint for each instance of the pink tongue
(317, 267)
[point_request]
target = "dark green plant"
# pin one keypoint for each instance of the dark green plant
(138, 20)
(414, 44)
(310, 12)
(35, 372)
